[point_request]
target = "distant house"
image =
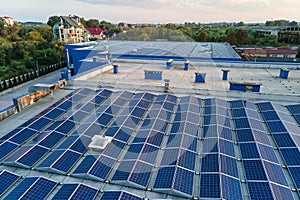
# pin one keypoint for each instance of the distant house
(8, 21)
(70, 30)
(96, 34)
(274, 54)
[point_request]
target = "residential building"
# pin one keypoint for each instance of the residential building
(8, 21)
(70, 30)
(96, 34)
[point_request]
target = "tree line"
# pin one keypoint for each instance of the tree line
(23, 49)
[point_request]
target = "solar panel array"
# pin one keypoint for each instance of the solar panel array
(181, 146)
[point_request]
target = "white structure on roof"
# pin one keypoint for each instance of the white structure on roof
(8, 21)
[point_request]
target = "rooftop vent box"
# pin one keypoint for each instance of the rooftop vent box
(99, 142)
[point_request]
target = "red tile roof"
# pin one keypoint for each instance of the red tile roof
(282, 51)
(255, 51)
(95, 31)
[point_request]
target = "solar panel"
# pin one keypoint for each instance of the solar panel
(260, 190)
(187, 159)
(276, 127)
(50, 159)
(51, 140)
(149, 153)
(85, 165)
(210, 163)
(155, 138)
(141, 174)
(39, 124)
(191, 129)
(295, 109)
(123, 171)
(33, 156)
(275, 173)
(256, 124)
(210, 131)
(102, 167)
(266, 106)
(164, 178)
(291, 156)
(184, 181)
(66, 161)
(126, 196)
(7, 180)
(228, 166)
(6, 148)
(281, 192)
(231, 188)
(249, 150)
(23, 136)
(111, 195)
(226, 147)
(84, 192)
(239, 113)
(254, 170)
(237, 104)
(189, 142)
(242, 123)
(284, 140)
(170, 157)
(65, 192)
(133, 151)
(270, 116)
(113, 149)
(209, 120)
(261, 137)
(66, 127)
(210, 186)
(21, 188)
(210, 145)
(81, 144)
(295, 174)
(244, 135)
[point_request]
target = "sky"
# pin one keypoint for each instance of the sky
(154, 11)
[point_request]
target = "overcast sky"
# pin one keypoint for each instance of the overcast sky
(154, 11)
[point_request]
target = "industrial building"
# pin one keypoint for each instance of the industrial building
(157, 120)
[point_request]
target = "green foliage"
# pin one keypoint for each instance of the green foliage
(22, 48)
(52, 20)
(92, 23)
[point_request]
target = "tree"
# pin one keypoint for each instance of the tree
(240, 24)
(293, 23)
(92, 23)
(242, 36)
(52, 20)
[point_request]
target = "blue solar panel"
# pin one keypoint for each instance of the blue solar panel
(267, 106)
(149, 154)
(261, 137)
(275, 173)
(51, 140)
(168, 106)
(126, 196)
(111, 195)
(226, 147)
(65, 105)
(295, 109)
(284, 140)
(177, 127)
(138, 112)
(297, 117)
(170, 157)
(111, 131)
(78, 116)
(81, 144)
(51, 159)
(210, 163)
(184, 181)
(187, 159)
(244, 135)
(21, 188)
(295, 173)
(123, 134)
(114, 148)
(242, 123)
(209, 120)
(191, 129)
(54, 113)
(23, 136)
(270, 116)
(133, 151)
(210, 186)
(65, 192)
(6, 148)
(281, 192)
(229, 166)
(164, 178)
(7, 179)
(68, 142)
(231, 188)
(276, 127)
(40, 190)
(85, 165)
(102, 167)
(34, 155)
(160, 125)
(254, 170)
(237, 104)
(189, 142)
(155, 138)
(66, 161)
(84, 192)
(40, 124)
(66, 127)
(11, 133)
(104, 119)
(267, 153)
(210, 145)
(249, 150)
(291, 156)
(123, 171)
(210, 131)
(174, 140)
(256, 124)
(260, 190)
(141, 174)
(239, 113)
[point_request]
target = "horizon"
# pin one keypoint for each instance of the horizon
(155, 11)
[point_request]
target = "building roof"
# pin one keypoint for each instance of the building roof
(199, 141)
(95, 31)
(256, 51)
(269, 51)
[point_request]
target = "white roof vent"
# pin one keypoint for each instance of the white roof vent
(99, 142)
